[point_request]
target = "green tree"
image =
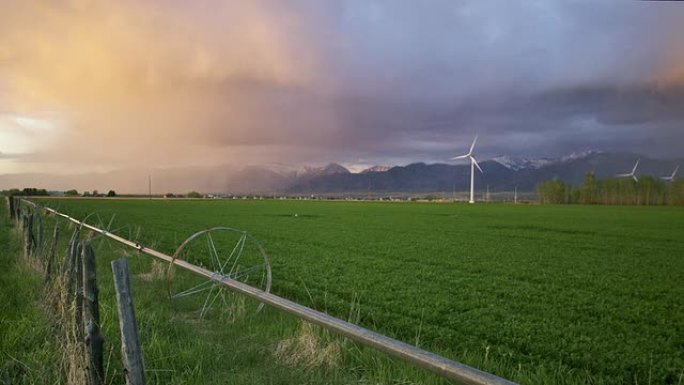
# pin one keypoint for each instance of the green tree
(71, 193)
(675, 193)
(111, 193)
(652, 191)
(554, 191)
(589, 189)
(32, 191)
(194, 194)
(606, 191)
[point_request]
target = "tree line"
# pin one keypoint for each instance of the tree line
(34, 192)
(26, 191)
(613, 191)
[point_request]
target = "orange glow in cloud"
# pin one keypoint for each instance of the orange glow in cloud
(673, 73)
(135, 82)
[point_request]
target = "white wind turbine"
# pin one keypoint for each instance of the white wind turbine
(473, 164)
(631, 174)
(671, 177)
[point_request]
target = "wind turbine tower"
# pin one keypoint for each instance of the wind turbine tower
(473, 164)
(515, 195)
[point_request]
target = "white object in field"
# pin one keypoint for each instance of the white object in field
(473, 164)
(631, 174)
(229, 253)
(671, 177)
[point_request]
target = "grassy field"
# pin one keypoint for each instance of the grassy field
(28, 354)
(537, 294)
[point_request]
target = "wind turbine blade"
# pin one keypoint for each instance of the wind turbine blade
(472, 146)
(635, 166)
(622, 175)
(472, 159)
(635, 178)
(675, 172)
(459, 157)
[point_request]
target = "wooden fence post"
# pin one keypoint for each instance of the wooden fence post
(71, 270)
(17, 208)
(78, 292)
(38, 239)
(51, 254)
(38, 246)
(134, 368)
(91, 318)
(68, 263)
(28, 234)
(10, 207)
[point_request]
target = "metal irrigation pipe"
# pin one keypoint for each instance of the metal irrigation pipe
(453, 370)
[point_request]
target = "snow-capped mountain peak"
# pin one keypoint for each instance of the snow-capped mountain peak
(329, 169)
(520, 163)
(580, 155)
(376, 169)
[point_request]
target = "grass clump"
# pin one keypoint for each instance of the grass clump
(309, 348)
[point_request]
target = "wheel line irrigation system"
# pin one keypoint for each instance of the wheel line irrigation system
(461, 373)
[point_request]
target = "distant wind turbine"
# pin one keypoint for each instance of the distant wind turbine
(671, 177)
(631, 174)
(473, 164)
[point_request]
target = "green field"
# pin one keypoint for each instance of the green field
(537, 294)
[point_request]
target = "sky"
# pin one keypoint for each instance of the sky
(100, 85)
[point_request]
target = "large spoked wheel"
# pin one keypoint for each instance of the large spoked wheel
(228, 253)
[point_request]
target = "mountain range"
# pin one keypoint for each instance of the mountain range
(500, 174)
(503, 173)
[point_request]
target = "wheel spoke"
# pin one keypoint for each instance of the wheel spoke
(111, 222)
(115, 231)
(237, 257)
(239, 245)
(205, 310)
(244, 272)
(195, 289)
(213, 252)
(223, 297)
(206, 301)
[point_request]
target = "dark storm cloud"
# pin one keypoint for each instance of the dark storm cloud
(553, 122)
(412, 81)
(529, 76)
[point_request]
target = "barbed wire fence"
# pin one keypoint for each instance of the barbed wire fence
(72, 295)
